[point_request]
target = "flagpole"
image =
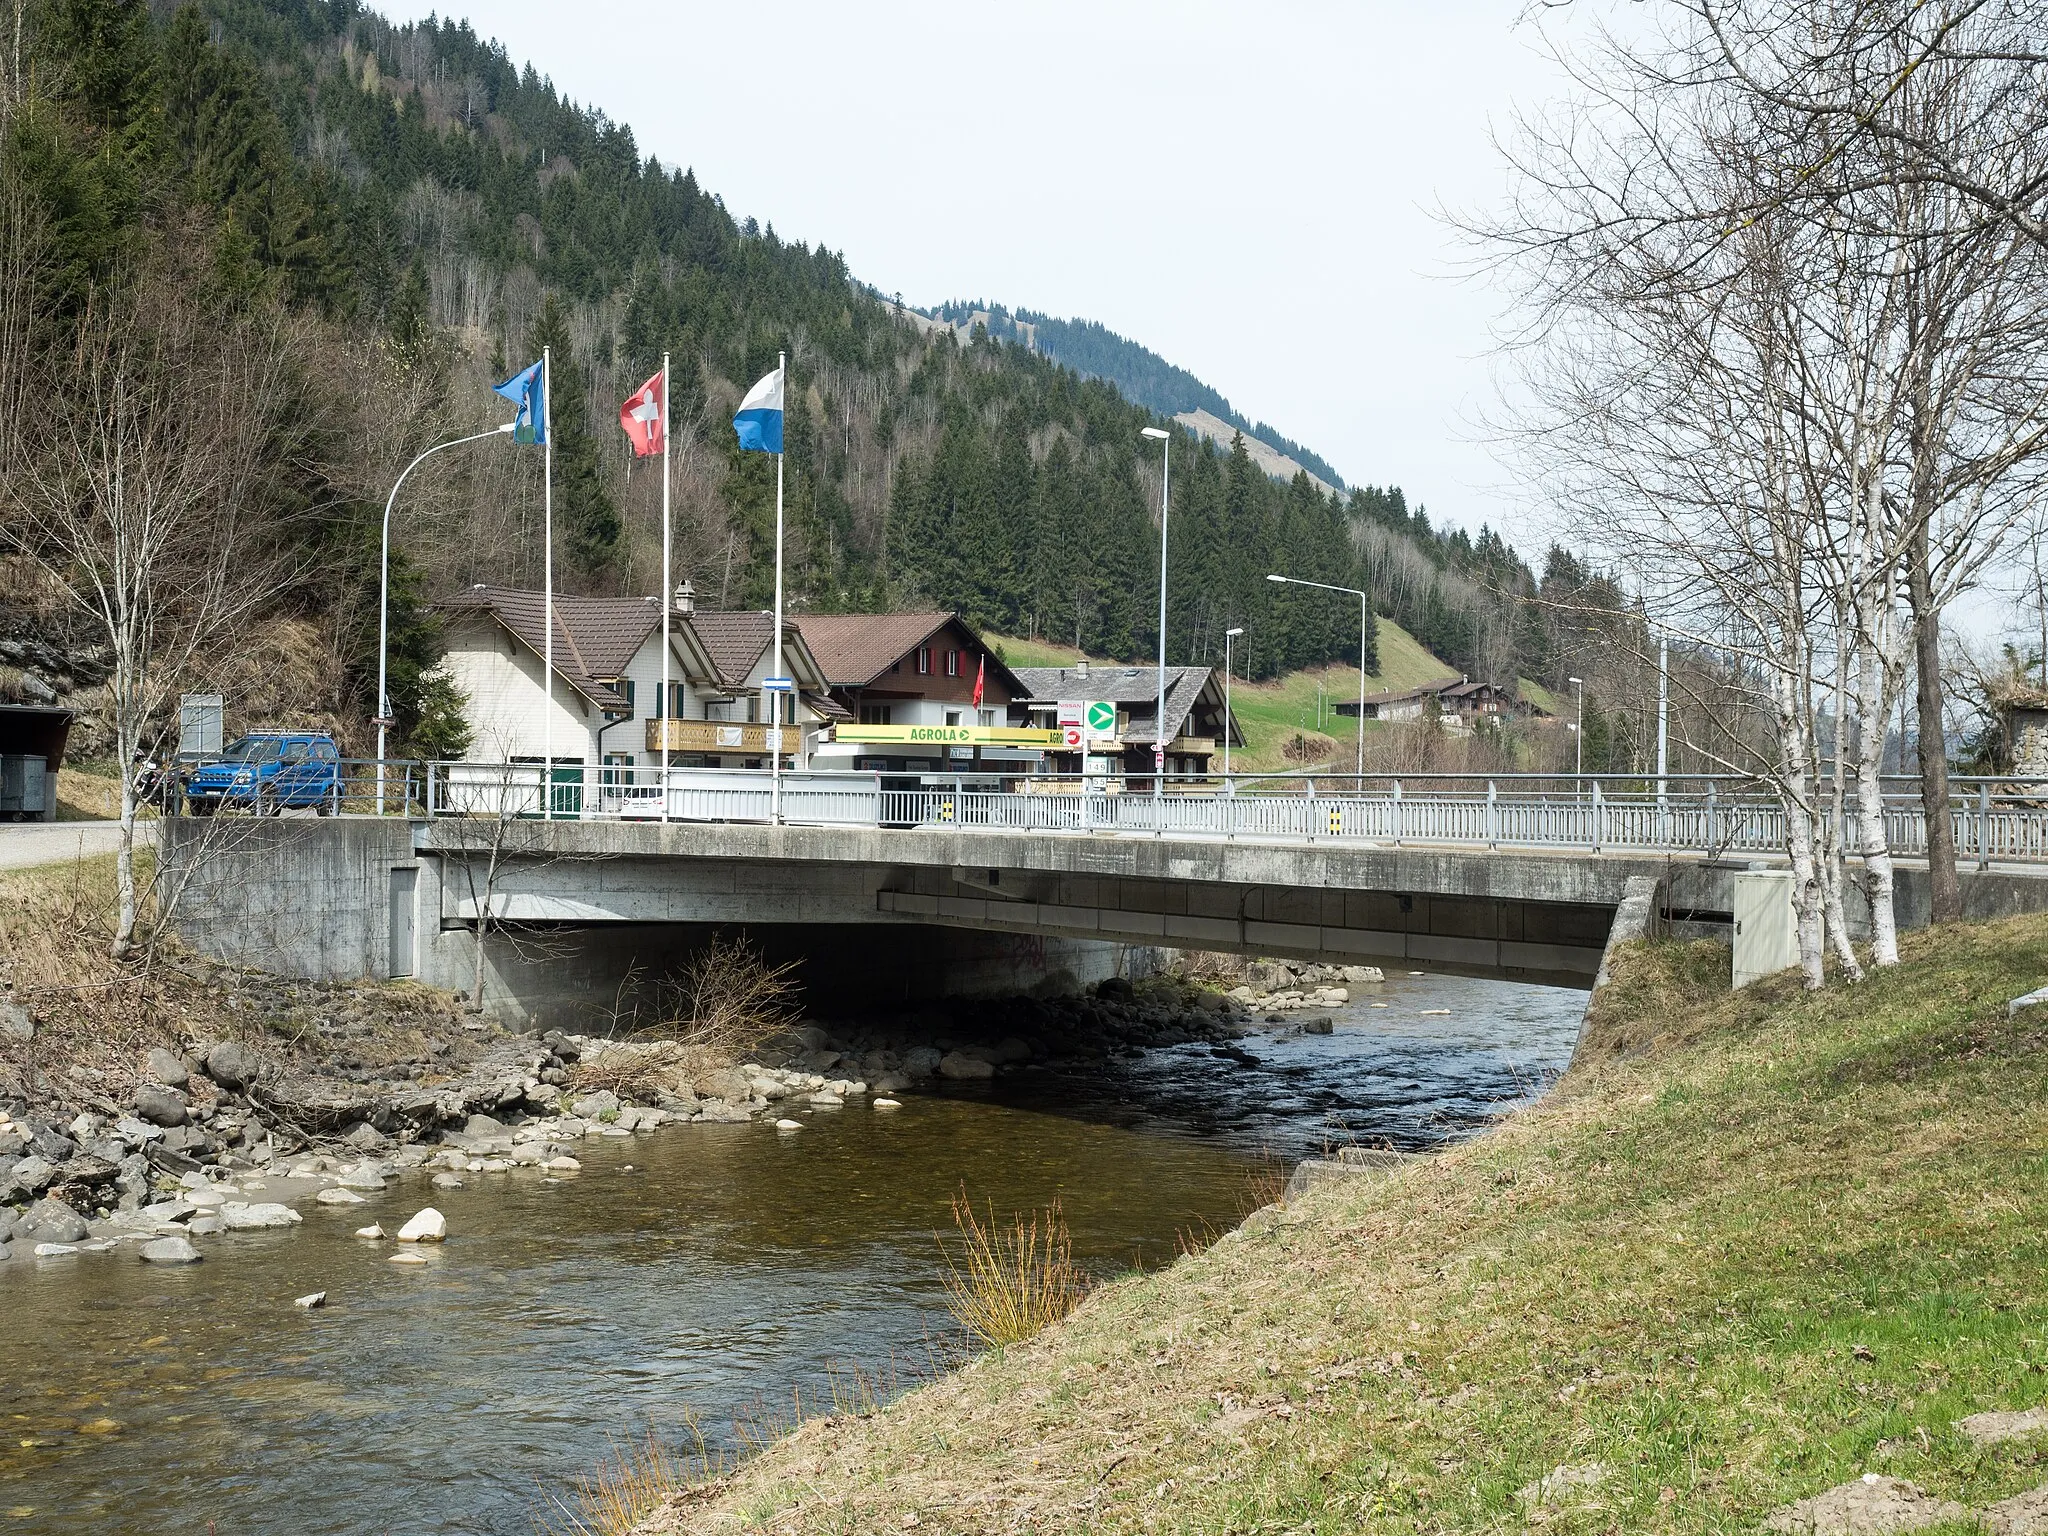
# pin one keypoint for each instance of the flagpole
(667, 592)
(547, 502)
(775, 704)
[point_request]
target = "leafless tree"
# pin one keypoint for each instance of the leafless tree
(141, 486)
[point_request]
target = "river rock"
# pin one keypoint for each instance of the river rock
(427, 1226)
(54, 1250)
(562, 1164)
(52, 1221)
(1318, 1026)
(827, 1101)
(594, 1106)
(31, 1175)
(137, 1132)
(338, 1196)
(922, 1061)
(257, 1217)
(206, 1224)
(309, 1301)
(170, 1250)
(372, 1233)
(482, 1125)
(885, 1103)
(232, 1065)
(406, 1256)
(789, 1125)
(447, 1181)
(719, 1112)
(160, 1105)
(167, 1068)
(364, 1176)
(958, 1066)
(729, 1084)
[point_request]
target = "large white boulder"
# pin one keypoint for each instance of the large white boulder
(257, 1217)
(427, 1226)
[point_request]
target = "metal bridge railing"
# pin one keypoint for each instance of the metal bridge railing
(1994, 820)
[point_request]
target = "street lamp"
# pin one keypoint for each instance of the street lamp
(1228, 636)
(1364, 635)
(384, 719)
(1579, 730)
(1159, 720)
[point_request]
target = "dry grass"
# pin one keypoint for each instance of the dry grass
(627, 1486)
(723, 1006)
(1791, 1241)
(1011, 1284)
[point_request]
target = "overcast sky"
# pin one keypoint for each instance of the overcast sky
(1245, 189)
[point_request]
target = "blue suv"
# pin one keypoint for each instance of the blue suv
(267, 772)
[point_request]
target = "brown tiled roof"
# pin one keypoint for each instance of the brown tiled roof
(1396, 695)
(595, 637)
(853, 649)
(735, 641)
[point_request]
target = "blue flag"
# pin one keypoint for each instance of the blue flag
(759, 422)
(524, 389)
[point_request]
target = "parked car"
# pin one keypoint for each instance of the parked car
(267, 772)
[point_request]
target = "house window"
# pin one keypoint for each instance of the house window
(676, 701)
(952, 663)
(952, 717)
(924, 659)
(623, 687)
(753, 708)
(984, 717)
(875, 714)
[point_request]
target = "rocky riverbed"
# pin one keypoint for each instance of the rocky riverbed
(329, 1090)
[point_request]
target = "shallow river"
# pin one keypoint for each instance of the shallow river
(725, 1269)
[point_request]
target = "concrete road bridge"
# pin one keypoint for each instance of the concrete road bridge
(935, 891)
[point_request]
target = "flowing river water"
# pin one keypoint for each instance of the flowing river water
(706, 1270)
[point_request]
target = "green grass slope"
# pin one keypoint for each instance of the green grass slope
(1759, 1245)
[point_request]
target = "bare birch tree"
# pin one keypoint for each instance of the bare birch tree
(142, 487)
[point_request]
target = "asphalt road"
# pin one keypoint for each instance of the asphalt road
(26, 844)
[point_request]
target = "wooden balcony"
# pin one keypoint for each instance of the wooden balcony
(715, 736)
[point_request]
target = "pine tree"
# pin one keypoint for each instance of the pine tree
(583, 502)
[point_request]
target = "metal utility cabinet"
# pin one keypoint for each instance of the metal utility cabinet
(24, 787)
(1766, 927)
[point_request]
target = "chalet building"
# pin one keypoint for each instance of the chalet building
(1195, 717)
(607, 704)
(905, 684)
(1452, 698)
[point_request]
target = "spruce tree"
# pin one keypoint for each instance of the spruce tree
(583, 502)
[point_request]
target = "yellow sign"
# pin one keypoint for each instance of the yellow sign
(947, 735)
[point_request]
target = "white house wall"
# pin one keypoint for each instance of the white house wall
(508, 706)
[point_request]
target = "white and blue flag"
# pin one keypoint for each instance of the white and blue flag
(759, 422)
(525, 389)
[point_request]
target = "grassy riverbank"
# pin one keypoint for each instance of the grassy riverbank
(1757, 1246)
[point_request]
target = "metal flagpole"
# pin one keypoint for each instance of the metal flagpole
(547, 518)
(667, 591)
(774, 703)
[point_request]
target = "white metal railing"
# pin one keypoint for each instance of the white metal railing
(1994, 820)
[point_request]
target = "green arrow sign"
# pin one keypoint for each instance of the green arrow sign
(1102, 718)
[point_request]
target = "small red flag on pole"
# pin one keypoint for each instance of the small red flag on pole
(645, 418)
(980, 676)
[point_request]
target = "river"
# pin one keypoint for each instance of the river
(713, 1270)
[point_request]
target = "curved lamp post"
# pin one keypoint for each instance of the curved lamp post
(1364, 631)
(384, 594)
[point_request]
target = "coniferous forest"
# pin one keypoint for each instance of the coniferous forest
(392, 218)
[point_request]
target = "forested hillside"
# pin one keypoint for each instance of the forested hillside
(1141, 375)
(394, 217)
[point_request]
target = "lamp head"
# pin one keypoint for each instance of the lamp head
(1574, 680)
(1158, 432)
(1232, 633)
(1271, 577)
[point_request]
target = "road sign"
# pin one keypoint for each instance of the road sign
(1101, 719)
(1072, 712)
(779, 684)
(1073, 737)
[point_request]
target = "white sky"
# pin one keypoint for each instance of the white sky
(1247, 190)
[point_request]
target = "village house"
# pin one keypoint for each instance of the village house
(1195, 717)
(1456, 700)
(907, 684)
(608, 711)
